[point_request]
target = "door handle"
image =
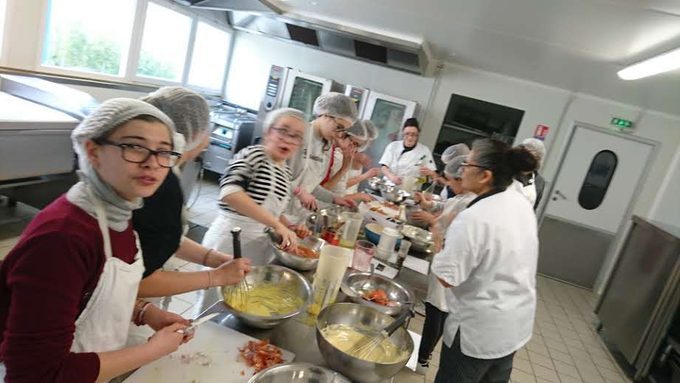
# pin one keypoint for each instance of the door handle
(558, 194)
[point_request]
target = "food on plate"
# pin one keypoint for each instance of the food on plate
(390, 205)
(345, 338)
(378, 210)
(306, 252)
(378, 296)
(264, 299)
(260, 354)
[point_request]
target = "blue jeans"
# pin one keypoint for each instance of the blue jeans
(456, 367)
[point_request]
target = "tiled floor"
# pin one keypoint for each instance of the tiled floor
(565, 347)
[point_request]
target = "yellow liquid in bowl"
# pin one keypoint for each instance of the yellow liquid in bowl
(264, 299)
(346, 338)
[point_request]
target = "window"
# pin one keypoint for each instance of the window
(89, 35)
(164, 43)
(209, 59)
(597, 180)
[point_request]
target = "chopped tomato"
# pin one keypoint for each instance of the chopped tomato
(260, 354)
(306, 252)
(378, 296)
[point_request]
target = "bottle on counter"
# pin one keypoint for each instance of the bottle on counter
(403, 252)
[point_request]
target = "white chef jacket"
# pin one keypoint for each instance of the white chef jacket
(401, 163)
(490, 258)
(529, 191)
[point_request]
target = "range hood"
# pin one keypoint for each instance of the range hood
(265, 17)
(338, 39)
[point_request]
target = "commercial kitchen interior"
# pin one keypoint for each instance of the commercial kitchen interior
(553, 61)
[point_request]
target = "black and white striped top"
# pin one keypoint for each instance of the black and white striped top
(253, 172)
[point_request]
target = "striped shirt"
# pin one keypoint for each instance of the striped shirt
(253, 172)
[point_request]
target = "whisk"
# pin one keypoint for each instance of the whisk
(238, 293)
(366, 345)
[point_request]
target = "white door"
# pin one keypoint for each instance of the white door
(302, 90)
(388, 114)
(595, 186)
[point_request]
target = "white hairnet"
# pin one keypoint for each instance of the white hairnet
(363, 130)
(276, 114)
(186, 108)
(371, 129)
(454, 151)
(108, 116)
(336, 105)
(536, 148)
(452, 168)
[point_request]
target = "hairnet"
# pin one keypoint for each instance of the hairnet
(536, 148)
(276, 114)
(108, 116)
(186, 108)
(336, 105)
(371, 129)
(365, 131)
(452, 168)
(454, 151)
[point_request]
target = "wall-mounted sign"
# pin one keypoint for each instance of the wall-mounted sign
(541, 131)
(621, 123)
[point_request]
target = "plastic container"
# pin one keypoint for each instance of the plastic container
(363, 253)
(350, 229)
(333, 262)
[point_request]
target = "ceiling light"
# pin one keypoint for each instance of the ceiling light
(662, 63)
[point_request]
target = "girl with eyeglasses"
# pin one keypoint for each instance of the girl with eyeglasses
(256, 188)
(68, 288)
(488, 266)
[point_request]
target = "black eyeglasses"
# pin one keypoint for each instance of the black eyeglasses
(285, 133)
(338, 126)
(138, 154)
(465, 163)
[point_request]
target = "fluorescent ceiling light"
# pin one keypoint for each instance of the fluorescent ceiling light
(662, 63)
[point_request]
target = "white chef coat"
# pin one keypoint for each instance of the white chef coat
(352, 173)
(400, 163)
(490, 258)
(529, 191)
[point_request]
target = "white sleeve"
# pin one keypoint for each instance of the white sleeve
(459, 257)
(387, 156)
(430, 160)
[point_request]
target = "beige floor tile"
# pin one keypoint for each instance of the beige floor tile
(610, 374)
(522, 377)
(555, 343)
(545, 373)
(536, 345)
(561, 356)
(569, 379)
(522, 353)
(554, 336)
(566, 369)
(522, 365)
(591, 378)
(541, 360)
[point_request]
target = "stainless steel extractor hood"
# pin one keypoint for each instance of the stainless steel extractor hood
(267, 18)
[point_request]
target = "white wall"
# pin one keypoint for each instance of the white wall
(252, 56)
(666, 207)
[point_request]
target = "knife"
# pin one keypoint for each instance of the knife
(197, 322)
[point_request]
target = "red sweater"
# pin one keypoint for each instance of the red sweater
(45, 282)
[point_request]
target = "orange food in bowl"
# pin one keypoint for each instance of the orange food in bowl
(306, 252)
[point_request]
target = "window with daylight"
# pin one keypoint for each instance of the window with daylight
(89, 35)
(209, 59)
(164, 43)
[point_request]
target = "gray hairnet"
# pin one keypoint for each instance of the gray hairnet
(336, 105)
(276, 114)
(187, 109)
(107, 117)
(452, 168)
(371, 129)
(454, 151)
(536, 148)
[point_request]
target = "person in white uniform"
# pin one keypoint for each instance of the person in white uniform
(361, 161)
(436, 308)
(449, 154)
(532, 184)
(255, 189)
(407, 157)
(335, 113)
(488, 266)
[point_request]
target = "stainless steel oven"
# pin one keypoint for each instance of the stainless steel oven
(232, 130)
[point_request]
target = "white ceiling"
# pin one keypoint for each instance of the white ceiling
(572, 44)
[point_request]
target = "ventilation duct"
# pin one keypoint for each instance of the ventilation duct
(257, 6)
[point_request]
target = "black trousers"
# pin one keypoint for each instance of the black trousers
(455, 367)
(433, 328)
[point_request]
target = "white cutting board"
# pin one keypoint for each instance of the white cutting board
(220, 343)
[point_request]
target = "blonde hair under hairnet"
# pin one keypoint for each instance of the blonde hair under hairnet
(454, 151)
(187, 109)
(276, 114)
(336, 105)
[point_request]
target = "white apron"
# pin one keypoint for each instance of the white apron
(313, 173)
(254, 242)
(104, 323)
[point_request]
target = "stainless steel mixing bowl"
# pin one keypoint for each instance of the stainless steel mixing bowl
(356, 284)
(362, 318)
(298, 373)
(421, 239)
(278, 275)
(295, 261)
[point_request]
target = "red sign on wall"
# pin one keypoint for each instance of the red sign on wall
(541, 131)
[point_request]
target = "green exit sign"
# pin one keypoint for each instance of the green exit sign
(621, 123)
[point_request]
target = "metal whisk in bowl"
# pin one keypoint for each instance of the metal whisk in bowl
(238, 294)
(366, 345)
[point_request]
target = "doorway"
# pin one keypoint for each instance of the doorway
(595, 185)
